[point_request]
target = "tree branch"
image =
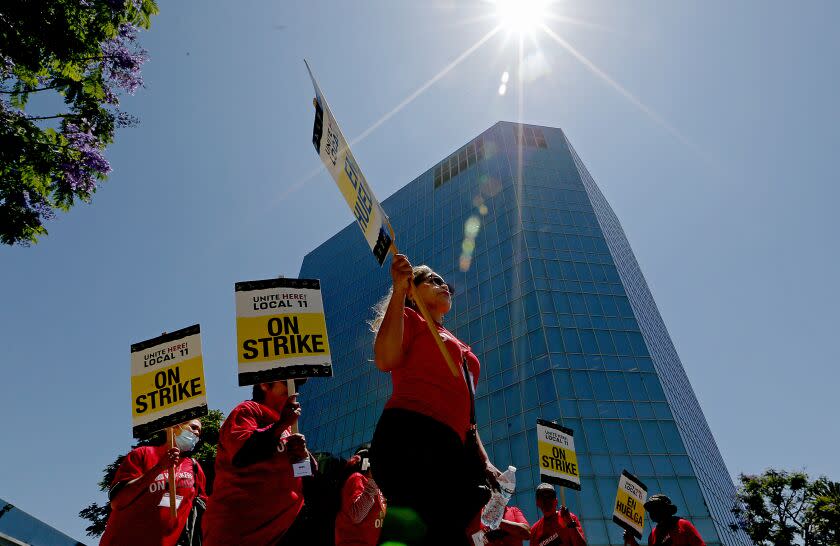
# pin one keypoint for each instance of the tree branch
(56, 86)
(57, 116)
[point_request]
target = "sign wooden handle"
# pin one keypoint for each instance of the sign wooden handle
(562, 496)
(173, 509)
(431, 324)
(290, 387)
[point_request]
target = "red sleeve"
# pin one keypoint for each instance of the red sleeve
(242, 424)
(412, 322)
(353, 487)
(689, 531)
(514, 514)
(134, 465)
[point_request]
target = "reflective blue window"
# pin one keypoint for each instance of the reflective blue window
(600, 386)
(583, 389)
(513, 400)
(662, 465)
(633, 434)
(594, 436)
(571, 341)
(673, 442)
(545, 387)
(563, 381)
(601, 465)
(588, 343)
(615, 436)
(642, 465)
(653, 438)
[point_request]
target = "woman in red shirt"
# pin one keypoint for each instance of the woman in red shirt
(359, 520)
(418, 453)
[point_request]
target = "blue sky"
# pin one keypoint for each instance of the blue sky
(714, 143)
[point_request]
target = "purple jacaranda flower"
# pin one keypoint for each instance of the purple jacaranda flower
(122, 59)
(39, 205)
(124, 119)
(80, 173)
(127, 31)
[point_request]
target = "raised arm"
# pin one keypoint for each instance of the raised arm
(516, 524)
(124, 492)
(387, 348)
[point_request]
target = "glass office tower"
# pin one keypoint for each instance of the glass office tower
(552, 301)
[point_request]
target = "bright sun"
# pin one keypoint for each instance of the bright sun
(521, 16)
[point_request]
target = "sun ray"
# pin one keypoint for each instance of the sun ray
(405, 102)
(579, 22)
(655, 117)
(287, 191)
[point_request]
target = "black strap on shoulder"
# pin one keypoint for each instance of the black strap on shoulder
(471, 389)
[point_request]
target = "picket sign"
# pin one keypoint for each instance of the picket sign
(167, 388)
(336, 155)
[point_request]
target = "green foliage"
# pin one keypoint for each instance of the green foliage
(779, 508)
(98, 514)
(83, 52)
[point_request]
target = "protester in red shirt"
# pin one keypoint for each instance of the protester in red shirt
(419, 456)
(512, 530)
(256, 497)
(555, 528)
(139, 493)
(359, 520)
(670, 530)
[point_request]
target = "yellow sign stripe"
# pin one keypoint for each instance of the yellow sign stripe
(164, 388)
(270, 338)
(629, 509)
(556, 460)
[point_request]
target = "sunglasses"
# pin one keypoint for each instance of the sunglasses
(437, 280)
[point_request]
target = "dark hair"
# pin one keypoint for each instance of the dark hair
(258, 395)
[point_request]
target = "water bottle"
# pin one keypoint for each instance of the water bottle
(492, 514)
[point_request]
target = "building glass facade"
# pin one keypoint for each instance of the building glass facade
(19, 528)
(551, 299)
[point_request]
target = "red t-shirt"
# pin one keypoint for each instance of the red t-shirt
(551, 531)
(681, 534)
(423, 383)
(146, 520)
(514, 514)
(366, 532)
(253, 504)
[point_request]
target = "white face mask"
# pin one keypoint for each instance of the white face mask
(186, 440)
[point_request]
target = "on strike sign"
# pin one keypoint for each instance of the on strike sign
(558, 460)
(167, 381)
(281, 332)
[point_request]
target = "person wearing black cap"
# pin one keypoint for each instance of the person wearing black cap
(555, 528)
(670, 529)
